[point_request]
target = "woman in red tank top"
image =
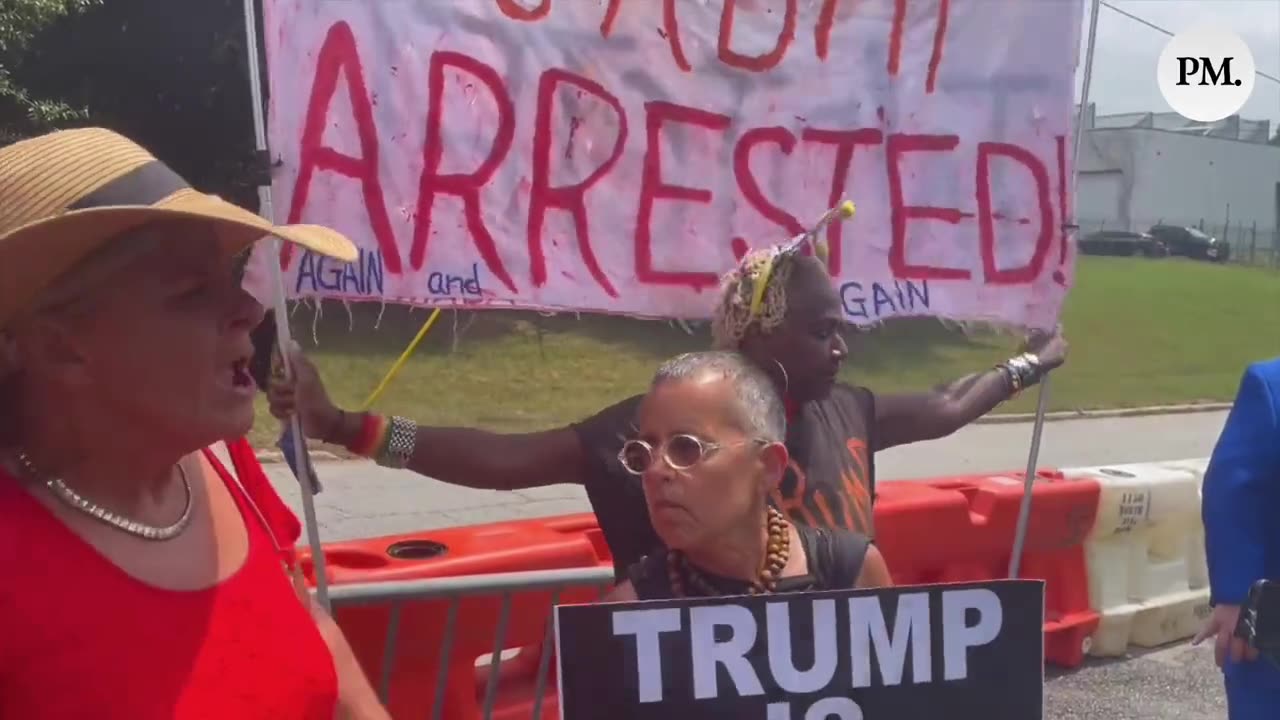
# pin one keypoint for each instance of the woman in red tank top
(140, 578)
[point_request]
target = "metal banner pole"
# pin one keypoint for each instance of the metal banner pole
(283, 335)
(1042, 401)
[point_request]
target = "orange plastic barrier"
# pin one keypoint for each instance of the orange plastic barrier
(962, 529)
(537, 544)
(521, 545)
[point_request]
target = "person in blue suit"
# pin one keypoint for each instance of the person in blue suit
(1241, 514)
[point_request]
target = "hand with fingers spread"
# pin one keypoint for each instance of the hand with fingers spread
(1221, 626)
(303, 393)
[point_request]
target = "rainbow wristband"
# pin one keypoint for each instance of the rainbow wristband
(373, 433)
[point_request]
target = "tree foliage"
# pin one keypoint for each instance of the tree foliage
(171, 74)
(23, 112)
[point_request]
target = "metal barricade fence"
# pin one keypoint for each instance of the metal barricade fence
(397, 594)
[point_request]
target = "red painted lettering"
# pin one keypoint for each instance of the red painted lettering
(786, 142)
(822, 31)
(993, 275)
(516, 11)
(571, 198)
(755, 63)
(896, 147)
(939, 41)
(897, 29)
(338, 55)
(653, 188)
(845, 141)
(895, 36)
(671, 29)
(462, 185)
(610, 15)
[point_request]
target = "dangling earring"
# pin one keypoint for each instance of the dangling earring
(786, 381)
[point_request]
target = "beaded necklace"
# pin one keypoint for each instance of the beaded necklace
(683, 576)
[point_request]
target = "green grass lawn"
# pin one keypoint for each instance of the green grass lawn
(1142, 332)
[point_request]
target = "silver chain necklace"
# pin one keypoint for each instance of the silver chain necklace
(74, 500)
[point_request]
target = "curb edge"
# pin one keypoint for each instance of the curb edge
(1154, 410)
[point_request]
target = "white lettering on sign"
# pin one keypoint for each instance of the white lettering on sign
(571, 158)
(726, 636)
(730, 654)
(959, 636)
(781, 657)
(832, 708)
(869, 631)
(646, 626)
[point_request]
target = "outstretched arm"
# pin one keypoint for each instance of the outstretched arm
(911, 417)
(459, 456)
(486, 460)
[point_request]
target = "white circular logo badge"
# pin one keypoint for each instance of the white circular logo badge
(1206, 74)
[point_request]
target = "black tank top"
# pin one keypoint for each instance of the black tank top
(834, 556)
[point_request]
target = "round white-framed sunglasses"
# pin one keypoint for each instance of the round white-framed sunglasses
(681, 451)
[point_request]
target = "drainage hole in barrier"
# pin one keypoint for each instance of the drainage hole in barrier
(416, 550)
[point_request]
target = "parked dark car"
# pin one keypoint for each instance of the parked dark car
(1190, 242)
(1123, 243)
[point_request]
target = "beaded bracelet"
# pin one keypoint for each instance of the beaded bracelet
(1021, 372)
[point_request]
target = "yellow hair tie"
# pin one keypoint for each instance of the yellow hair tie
(843, 211)
(761, 283)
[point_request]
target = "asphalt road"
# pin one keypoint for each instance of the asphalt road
(1173, 683)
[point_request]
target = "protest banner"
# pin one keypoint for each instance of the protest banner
(945, 651)
(618, 155)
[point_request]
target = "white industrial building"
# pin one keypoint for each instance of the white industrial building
(1143, 169)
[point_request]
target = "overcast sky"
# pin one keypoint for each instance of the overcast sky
(1124, 64)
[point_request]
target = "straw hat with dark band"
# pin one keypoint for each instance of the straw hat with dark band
(64, 194)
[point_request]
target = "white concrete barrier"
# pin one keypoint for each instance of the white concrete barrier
(1147, 574)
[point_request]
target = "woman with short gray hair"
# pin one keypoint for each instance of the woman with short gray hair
(709, 450)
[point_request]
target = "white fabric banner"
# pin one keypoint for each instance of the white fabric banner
(618, 155)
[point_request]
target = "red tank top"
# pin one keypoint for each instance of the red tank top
(79, 638)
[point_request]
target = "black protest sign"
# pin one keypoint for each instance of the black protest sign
(972, 650)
